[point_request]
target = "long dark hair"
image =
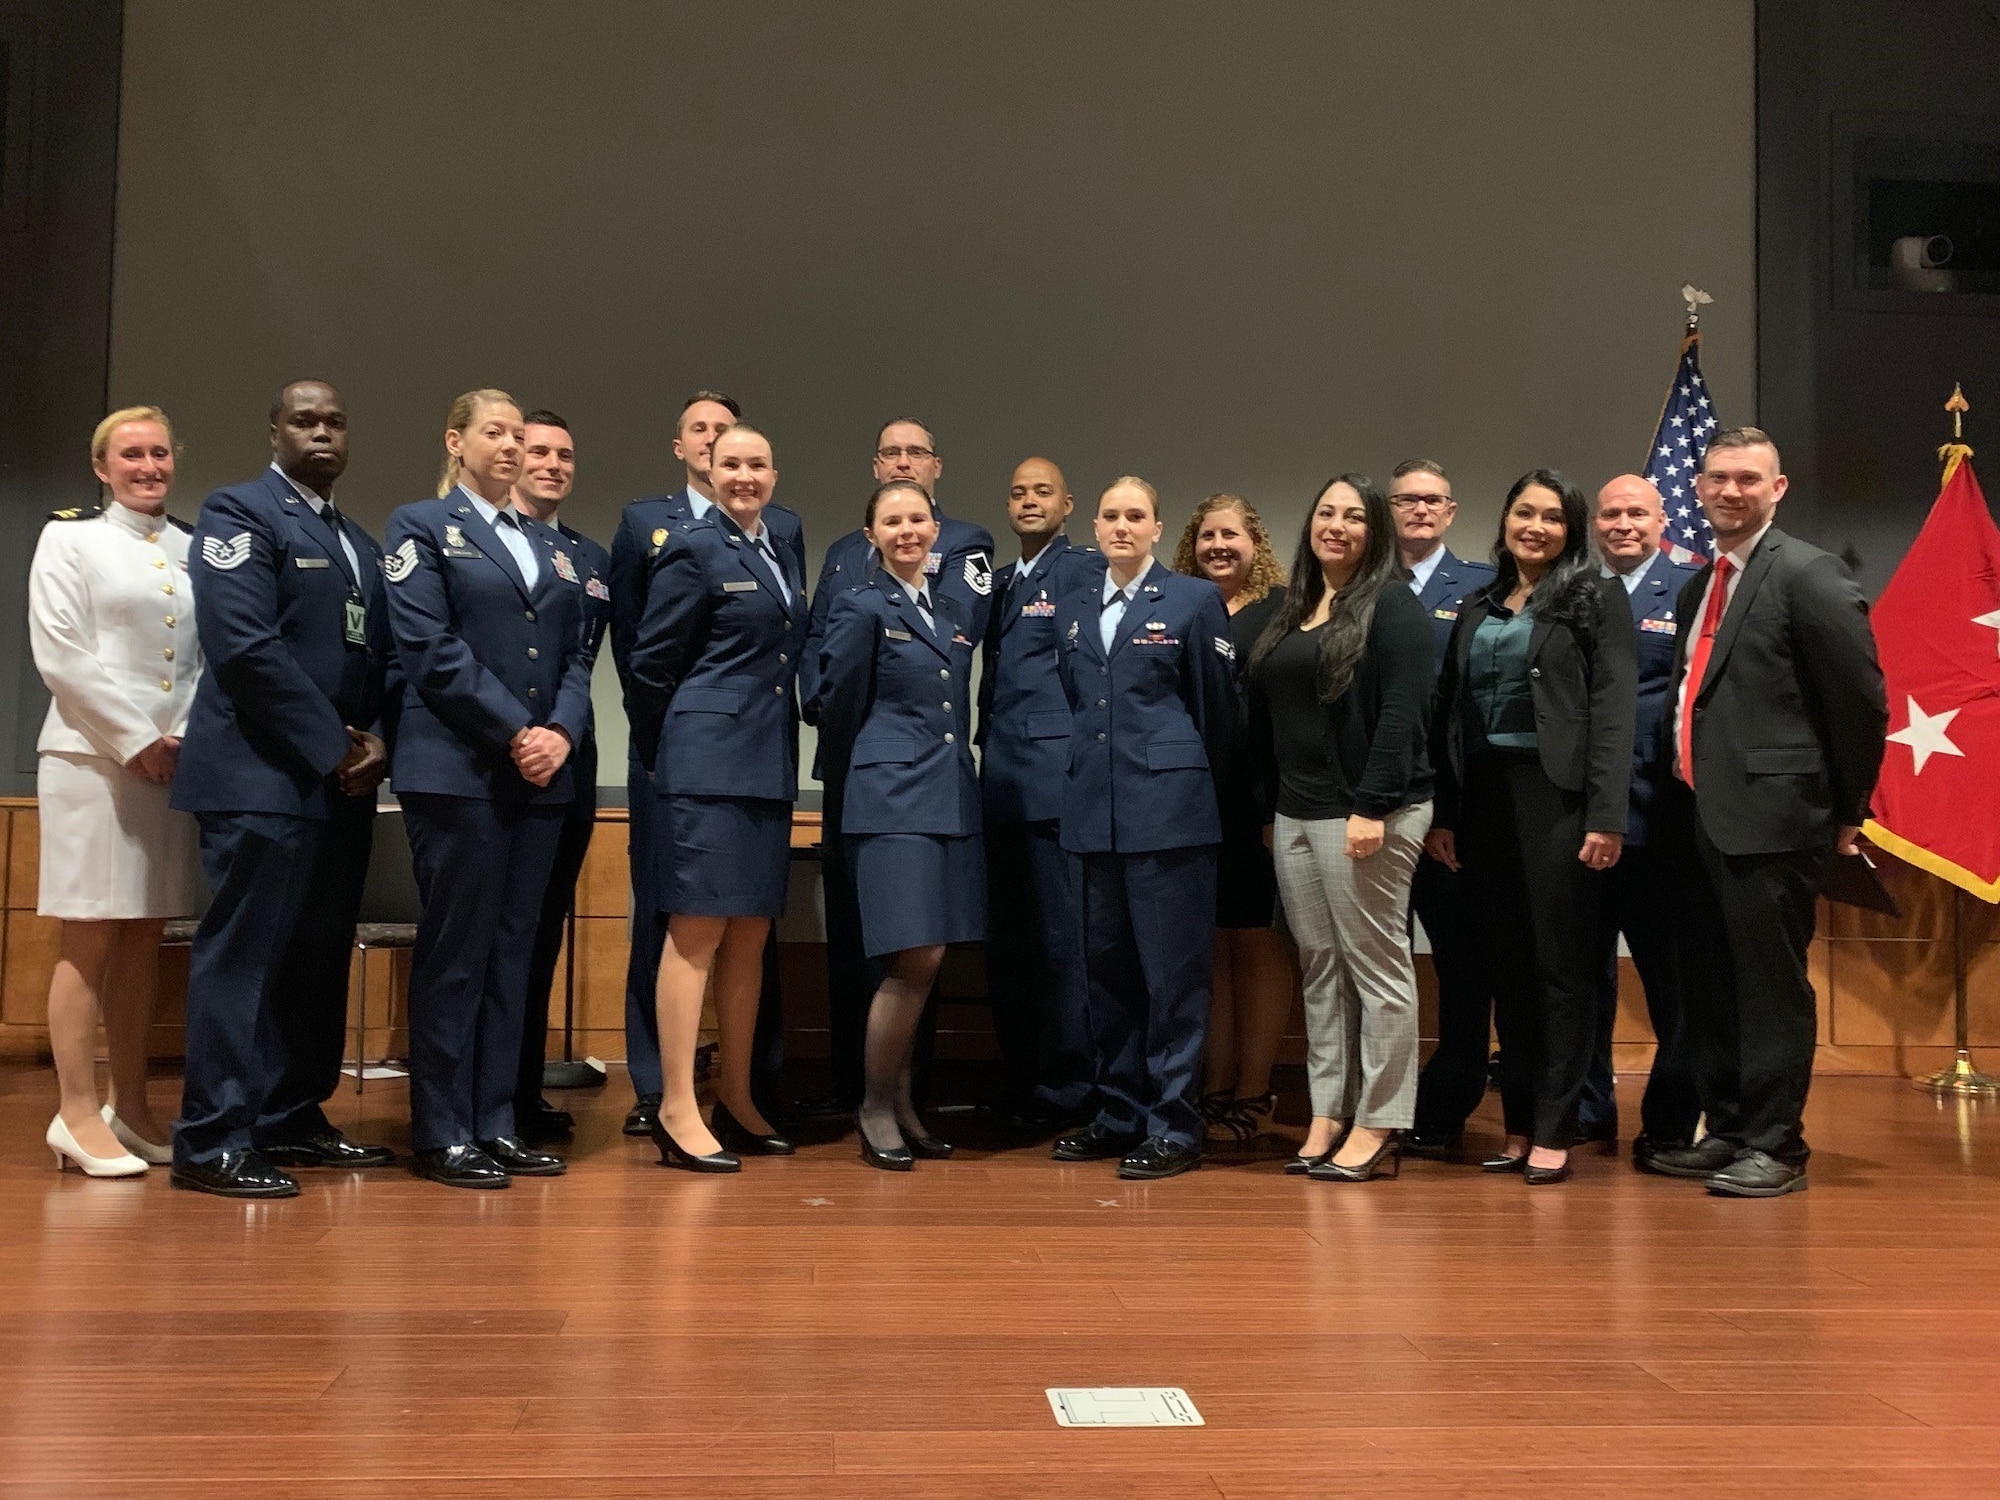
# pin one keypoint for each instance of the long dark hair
(1567, 592)
(1352, 612)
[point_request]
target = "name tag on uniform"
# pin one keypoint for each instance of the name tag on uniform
(312, 562)
(472, 552)
(896, 635)
(357, 622)
(1658, 627)
(1038, 609)
(1444, 614)
(740, 586)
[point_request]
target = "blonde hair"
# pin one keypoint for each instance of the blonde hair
(463, 410)
(100, 440)
(1265, 574)
(1152, 495)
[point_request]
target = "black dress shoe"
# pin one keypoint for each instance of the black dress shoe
(543, 1122)
(893, 1159)
(518, 1159)
(1536, 1176)
(639, 1119)
(235, 1174)
(461, 1166)
(673, 1155)
(927, 1147)
(1755, 1174)
(735, 1136)
(1505, 1163)
(1095, 1142)
(1435, 1147)
(1704, 1158)
(1157, 1158)
(327, 1148)
(1386, 1162)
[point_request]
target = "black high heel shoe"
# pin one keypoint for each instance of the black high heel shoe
(1386, 1162)
(740, 1138)
(1302, 1165)
(895, 1159)
(673, 1154)
(923, 1145)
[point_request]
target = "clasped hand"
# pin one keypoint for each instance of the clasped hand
(539, 753)
(156, 762)
(367, 761)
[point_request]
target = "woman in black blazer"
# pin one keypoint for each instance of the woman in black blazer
(1531, 741)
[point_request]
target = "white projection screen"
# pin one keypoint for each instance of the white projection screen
(1235, 246)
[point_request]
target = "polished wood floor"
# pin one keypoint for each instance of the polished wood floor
(813, 1328)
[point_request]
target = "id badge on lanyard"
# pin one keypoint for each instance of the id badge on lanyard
(357, 621)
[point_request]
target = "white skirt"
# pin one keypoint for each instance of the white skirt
(112, 848)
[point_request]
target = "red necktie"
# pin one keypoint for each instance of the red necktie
(1711, 620)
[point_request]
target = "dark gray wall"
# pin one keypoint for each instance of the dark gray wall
(1853, 391)
(1225, 247)
(55, 302)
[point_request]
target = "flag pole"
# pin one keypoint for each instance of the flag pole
(1961, 1080)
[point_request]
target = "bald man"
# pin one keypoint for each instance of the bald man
(1629, 525)
(1034, 950)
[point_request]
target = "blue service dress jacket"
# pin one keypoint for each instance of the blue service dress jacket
(895, 726)
(1657, 630)
(296, 648)
(714, 668)
(1153, 722)
(1024, 721)
(1444, 594)
(484, 656)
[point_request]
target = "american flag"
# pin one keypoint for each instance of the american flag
(1676, 454)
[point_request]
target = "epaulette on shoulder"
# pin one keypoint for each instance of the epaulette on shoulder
(179, 525)
(76, 513)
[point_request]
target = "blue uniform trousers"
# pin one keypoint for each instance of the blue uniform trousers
(1149, 952)
(1454, 1080)
(1034, 966)
(578, 823)
(267, 980)
(482, 868)
(1635, 904)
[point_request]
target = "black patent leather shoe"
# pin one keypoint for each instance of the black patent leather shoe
(235, 1174)
(1536, 1176)
(1449, 1148)
(645, 1111)
(734, 1135)
(543, 1123)
(1095, 1142)
(895, 1159)
(923, 1145)
(1755, 1174)
(327, 1148)
(1159, 1157)
(672, 1154)
(1502, 1163)
(462, 1166)
(518, 1159)
(1703, 1159)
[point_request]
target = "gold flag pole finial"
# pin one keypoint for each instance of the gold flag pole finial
(1957, 450)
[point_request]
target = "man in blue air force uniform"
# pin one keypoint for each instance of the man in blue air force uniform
(1629, 524)
(1034, 946)
(960, 568)
(1454, 1079)
(642, 531)
(280, 767)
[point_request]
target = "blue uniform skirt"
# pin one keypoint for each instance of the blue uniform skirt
(723, 856)
(918, 889)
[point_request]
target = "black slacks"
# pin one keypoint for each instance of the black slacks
(1453, 1081)
(1034, 967)
(1639, 902)
(1751, 1018)
(1537, 907)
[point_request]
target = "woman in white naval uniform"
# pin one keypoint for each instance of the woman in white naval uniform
(111, 622)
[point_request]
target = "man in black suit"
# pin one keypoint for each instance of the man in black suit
(1779, 723)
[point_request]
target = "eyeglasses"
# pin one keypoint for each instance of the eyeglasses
(1411, 502)
(890, 455)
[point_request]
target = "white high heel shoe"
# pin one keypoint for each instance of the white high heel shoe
(68, 1151)
(137, 1144)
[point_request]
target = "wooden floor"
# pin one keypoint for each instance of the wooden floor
(814, 1328)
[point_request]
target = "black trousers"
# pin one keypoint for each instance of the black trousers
(1639, 902)
(1034, 967)
(1453, 1081)
(1538, 908)
(267, 978)
(1149, 951)
(579, 822)
(482, 869)
(1751, 1019)
(648, 930)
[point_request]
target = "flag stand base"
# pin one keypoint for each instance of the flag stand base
(1960, 1081)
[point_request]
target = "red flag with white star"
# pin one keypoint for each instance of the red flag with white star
(1937, 625)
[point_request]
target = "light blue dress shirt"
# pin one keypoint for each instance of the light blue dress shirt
(319, 509)
(1637, 576)
(1116, 602)
(507, 526)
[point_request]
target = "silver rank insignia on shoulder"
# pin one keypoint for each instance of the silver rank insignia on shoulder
(565, 569)
(226, 556)
(401, 563)
(453, 537)
(979, 574)
(1225, 648)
